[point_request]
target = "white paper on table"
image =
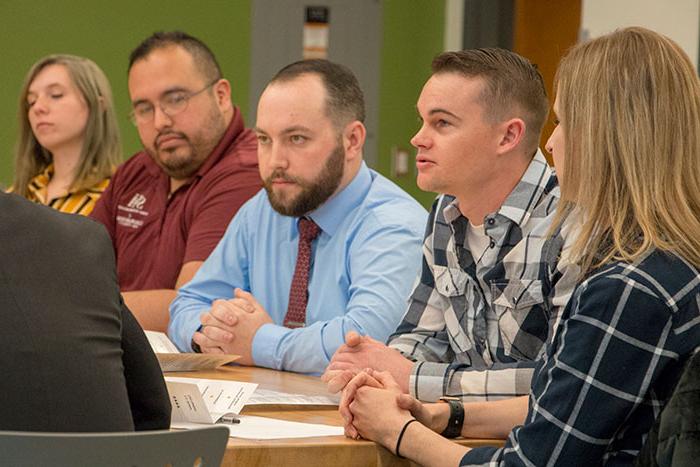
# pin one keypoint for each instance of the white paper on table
(268, 397)
(171, 359)
(206, 400)
(160, 342)
(253, 427)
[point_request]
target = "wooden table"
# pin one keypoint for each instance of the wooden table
(336, 451)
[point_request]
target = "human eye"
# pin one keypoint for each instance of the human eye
(441, 123)
(556, 121)
(298, 139)
(55, 95)
(263, 139)
(175, 98)
(143, 110)
(31, 101)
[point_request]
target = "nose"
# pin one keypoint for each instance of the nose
(39, 107)
(420, 140)
(277, 156)
(161, 119)
(548, 145)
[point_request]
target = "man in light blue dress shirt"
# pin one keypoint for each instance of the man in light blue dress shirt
(364, 261)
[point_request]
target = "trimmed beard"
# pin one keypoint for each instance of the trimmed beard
(314, 193)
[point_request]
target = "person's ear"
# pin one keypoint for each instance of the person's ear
(354, 136)
(512, 133)
(222, 93)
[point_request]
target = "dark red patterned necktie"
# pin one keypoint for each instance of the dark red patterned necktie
(299, 291)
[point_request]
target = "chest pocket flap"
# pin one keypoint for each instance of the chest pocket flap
(522, 318)
(450, 282)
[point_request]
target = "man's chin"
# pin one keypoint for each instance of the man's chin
(285, 205)
(176, 166)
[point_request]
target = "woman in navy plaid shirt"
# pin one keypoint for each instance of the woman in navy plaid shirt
(626, 150)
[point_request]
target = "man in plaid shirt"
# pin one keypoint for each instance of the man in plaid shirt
(493, 283)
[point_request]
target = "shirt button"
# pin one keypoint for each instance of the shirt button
(490, 221)
(492, 244)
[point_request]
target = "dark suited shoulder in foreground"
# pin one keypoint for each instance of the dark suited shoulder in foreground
(73, 357)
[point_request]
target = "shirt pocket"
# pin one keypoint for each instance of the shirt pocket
(522, 318)
(452, 284)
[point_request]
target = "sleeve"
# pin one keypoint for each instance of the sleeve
(223, 271)
(224, 197)
(148, 395)
(421, 335)
(382, 262)
(103, 211)
(603, 360)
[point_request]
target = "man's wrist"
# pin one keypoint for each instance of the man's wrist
(439, 416)
(404, 379)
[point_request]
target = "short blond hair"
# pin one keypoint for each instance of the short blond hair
(101, 151)
(629, 103)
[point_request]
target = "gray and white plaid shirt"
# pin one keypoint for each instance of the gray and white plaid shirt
(476, 324)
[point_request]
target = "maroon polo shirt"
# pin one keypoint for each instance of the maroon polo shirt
(153, 233)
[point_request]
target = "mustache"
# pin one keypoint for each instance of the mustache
(163, 134)
(281, 175)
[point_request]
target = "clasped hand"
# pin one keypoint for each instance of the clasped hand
(230, 326)
(360, 352)
(374, 407)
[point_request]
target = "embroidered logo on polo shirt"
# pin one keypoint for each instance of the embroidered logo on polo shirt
(137, 201)
(134, 206)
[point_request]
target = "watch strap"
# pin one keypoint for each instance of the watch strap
(454, 425)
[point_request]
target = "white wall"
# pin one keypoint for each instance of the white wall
(677, 19)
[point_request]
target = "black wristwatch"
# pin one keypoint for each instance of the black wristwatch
(195, 347)
(454, 425)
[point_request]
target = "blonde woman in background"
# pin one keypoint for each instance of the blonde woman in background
(626, 150)
(68, 144)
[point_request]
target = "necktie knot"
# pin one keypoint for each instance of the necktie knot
(308, 230)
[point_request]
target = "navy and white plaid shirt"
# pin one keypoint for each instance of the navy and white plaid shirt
(476, 326)
(617, 355)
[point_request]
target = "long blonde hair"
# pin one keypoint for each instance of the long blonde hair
(629, 103)
(101, 150)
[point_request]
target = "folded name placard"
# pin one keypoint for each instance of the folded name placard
(196, 400)
(171, 359)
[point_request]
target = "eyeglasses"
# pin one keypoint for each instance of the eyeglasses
(172, 103)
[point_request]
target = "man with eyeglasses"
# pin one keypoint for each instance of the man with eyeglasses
(167, 206)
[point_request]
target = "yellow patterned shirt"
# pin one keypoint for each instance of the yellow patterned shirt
(74, 202)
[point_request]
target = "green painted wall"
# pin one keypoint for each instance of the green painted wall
(107, 30)
(413, 35)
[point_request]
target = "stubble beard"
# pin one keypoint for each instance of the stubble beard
(183, 162)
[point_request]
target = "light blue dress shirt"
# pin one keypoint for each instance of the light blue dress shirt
(364, 263)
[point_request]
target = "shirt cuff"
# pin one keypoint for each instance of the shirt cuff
(426, 381)
(265, 345)
(182, 336)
